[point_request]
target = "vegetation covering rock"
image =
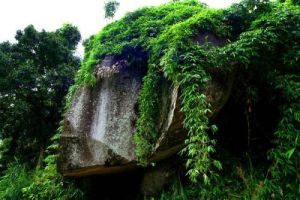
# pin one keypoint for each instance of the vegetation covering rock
(260, 50)
(246, 147)
(100, 124)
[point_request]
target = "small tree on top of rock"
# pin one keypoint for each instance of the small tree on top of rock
(110, 8)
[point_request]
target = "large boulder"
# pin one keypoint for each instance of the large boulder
(99, 125)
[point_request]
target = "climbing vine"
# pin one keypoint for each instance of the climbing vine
(146, 134)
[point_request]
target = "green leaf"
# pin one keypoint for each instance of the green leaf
(290, 152)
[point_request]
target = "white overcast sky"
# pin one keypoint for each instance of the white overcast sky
(87, 15)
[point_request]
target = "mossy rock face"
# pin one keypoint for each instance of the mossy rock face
(99, 125)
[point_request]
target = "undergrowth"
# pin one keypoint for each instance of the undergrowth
(21, 182)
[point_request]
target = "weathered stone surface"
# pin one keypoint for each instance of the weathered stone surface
(158, 177)
(100, 124)
(210, 37)
(172, 131)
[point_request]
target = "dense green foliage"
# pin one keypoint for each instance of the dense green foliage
(146, 135)
(35, 74)
(21, 182)
(261, 43)
(47, 183)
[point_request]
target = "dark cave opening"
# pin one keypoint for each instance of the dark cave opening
(125, 186)
(138, 183)
(247, 124)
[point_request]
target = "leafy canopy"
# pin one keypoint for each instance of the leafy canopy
(36, 73)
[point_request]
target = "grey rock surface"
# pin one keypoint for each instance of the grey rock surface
(99, 125)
